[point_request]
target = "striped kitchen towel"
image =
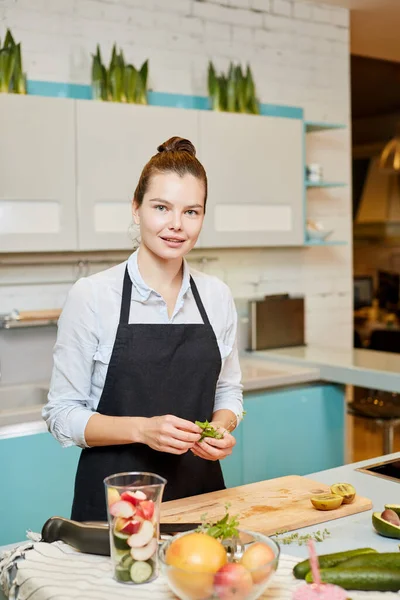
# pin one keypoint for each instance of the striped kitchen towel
(42, 571)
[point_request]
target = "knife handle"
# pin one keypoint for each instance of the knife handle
(93, 537)
(88, 538)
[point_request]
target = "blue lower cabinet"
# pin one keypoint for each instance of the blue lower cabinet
(288, 431)
(37, 482)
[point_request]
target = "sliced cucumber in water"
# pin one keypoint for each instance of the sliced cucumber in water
(122, 574)
(121, 540)
(141, 571)
(127, 561)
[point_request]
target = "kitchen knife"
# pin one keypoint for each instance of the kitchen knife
(93, 537)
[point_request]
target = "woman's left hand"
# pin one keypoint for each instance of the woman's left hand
(213, 449)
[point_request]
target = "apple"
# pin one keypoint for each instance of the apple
(257, 559)
(145, 552)
(232, 582)
(112, 496)
(134, 497)
(146, 509)
(143, 536)
(122, 509)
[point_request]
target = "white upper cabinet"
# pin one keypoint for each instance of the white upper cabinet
(37, 174)
(114, 142)
(255, 177)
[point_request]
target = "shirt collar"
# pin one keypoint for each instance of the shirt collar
(141, 287)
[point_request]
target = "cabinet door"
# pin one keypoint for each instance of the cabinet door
(114, 142)
(37, 182)
(293, 431)
(255, 176)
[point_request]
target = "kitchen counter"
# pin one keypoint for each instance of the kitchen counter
(257, 375)
(354, 531)
(365, 368)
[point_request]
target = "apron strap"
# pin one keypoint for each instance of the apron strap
(126, 299)
(199, 303)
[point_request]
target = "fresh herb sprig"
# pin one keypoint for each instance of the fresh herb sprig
(301, 540)
(225, 528)
(208, 431)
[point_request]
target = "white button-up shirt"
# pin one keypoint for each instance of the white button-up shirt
(86, 335)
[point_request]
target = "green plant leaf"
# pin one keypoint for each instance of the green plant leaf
(130, 83)
(9, 40)
(212, 80)
(105, 84)
(7, 62)
(141, 84)
(97, 78)
(231, 90)
(116, 78)
(19, 79)
(114, 57)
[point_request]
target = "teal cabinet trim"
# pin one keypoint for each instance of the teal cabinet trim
(325, 184)
(56, 89)
(312, 126)
(324, 243)
(37, 483)
(84, 92)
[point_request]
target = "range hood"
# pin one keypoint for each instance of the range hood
(378, 215)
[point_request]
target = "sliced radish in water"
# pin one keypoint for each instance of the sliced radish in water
(146, 552)
(146, 508)
(134, 497)
(132, 526)
(143, 537)
(122, 509)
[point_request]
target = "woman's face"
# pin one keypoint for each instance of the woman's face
(171, 214)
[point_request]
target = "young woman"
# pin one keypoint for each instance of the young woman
(146, 348)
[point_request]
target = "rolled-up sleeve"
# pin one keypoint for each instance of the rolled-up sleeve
(68, 408)
(229, 391)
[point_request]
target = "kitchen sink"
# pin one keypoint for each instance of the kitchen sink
(21, 403)
(389, 469)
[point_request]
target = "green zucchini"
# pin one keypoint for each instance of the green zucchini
(361, 578)
(383, 560)
(327, 561)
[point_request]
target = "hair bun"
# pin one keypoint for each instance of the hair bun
(177, 144)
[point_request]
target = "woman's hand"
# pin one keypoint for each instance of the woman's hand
(213, 449)
(169, 434)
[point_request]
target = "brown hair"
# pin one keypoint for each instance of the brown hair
(176, 155)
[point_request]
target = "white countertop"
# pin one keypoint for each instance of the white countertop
(366, 368)
(257, 374)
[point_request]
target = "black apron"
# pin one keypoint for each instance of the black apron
(154, 370)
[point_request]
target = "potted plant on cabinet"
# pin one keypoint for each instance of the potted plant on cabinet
(12, 77)
(121, 82)
(234, 91)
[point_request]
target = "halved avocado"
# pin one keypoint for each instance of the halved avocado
(395, 507)
(383, 527)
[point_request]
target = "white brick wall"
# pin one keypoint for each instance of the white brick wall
(299, 54)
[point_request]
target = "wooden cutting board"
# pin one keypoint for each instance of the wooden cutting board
(267, 506)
